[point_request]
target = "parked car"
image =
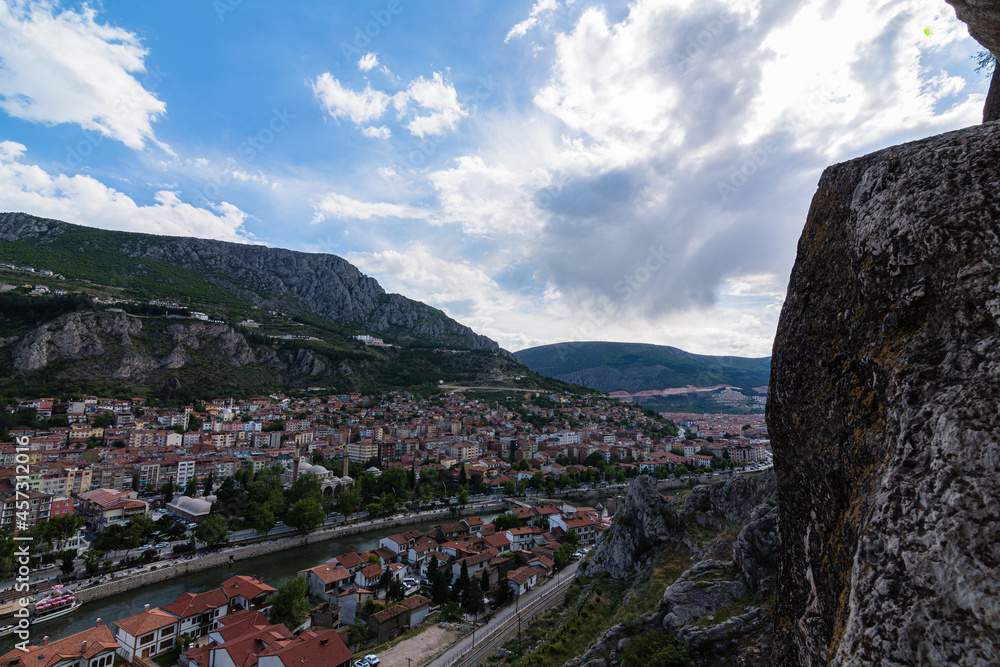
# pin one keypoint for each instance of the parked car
(361, 663)
(372, 659)
(409, 582)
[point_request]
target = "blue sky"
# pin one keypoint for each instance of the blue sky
(541, 170)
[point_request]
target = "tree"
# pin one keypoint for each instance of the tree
(681, 469)
(507, 521)
(306, 486)
(349, 501)
(263, 520)
(92, 560)
(396, 592)
(393, 481)
(463, 495)
(572, 538)
(562, 557)
(440, 588)
(306, 514)
(502, 594)
(213, 531)
(191, 490)
(68, 561)
(167, 491)
(452, 611)
(290, 603)
(384, 581)
(472, 599)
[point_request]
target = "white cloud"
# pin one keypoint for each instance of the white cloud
(427, 276)
(338, 206)
(435, 95)
(84, 200)
(381, 132)
(342, 102)
(540, 7)
(65, 67)
(490, 199)
(638, 122)
(367, 62)
(258, 179)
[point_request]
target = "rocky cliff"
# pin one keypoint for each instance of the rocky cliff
(108, 351)
(303, 283)
(645, 520)
(883, 412)
(983, 19)
(733, 500)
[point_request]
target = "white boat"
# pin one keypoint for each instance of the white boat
(54, 606)
(7, 630)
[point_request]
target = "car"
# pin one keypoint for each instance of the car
(361, 663)
(409, 582)
(162, 545)
(372, 659)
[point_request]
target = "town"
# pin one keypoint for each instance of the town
(102, 475)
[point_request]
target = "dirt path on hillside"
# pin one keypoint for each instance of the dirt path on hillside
(419, 649)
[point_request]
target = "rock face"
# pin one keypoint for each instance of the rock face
(308, 283)
(755, 551)
(645, 520)
(707, 586)
(883, 412)
(733, 500)
(115, 345)
(983, 19)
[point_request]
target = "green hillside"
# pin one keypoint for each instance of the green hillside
(635, 367)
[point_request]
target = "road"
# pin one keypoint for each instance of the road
(474, 648)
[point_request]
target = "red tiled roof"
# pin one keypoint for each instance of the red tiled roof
(248, 587)
(324, 648)
(146, 621)
(86, 644)
(190, 604)
(329, 573)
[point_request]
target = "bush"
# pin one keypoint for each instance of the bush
(452, 612)
(656, 648)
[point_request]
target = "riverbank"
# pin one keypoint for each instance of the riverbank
(157, 572)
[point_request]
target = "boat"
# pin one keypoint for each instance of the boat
(54, 606)
(7, 630)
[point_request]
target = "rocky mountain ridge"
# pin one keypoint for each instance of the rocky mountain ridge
(104, 350)
(275, 278)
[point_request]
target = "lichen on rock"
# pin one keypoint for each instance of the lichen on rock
(883, 414)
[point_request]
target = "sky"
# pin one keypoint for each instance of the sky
(540, 170)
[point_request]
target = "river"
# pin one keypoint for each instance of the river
(273, 568)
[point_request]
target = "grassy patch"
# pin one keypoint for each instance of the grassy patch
(723, 614)
(670, 562)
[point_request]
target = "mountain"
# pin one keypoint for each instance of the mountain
(220, 276)
(634, 367)
(87, 310)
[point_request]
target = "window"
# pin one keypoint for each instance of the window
(145, 639)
